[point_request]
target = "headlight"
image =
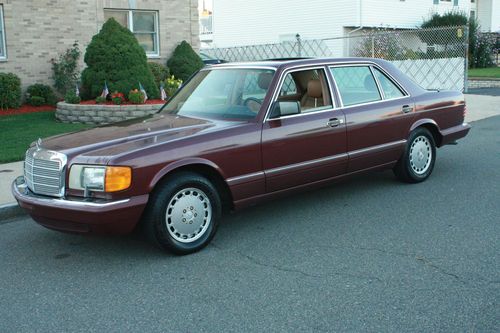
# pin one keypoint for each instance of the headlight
(100, 178)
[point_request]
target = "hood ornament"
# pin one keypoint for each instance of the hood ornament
(39, 144)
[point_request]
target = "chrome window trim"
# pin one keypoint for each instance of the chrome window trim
(219, 67)
(379, 86)
(3, 38)
(281, 82)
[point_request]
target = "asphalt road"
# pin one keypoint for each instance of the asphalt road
(366, 255)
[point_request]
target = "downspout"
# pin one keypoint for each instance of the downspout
(360, 26)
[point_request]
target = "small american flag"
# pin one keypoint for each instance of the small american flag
(77, 90)
(162, 92)
(143, 91)
(105, 91)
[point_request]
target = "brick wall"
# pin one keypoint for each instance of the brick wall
(39, 30)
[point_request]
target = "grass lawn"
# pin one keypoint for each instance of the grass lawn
(17, 132)
(485, 72)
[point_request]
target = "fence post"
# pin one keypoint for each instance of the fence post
(466, 62)
(373, 47)
(299, 45)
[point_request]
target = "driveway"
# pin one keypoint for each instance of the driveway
(369, 254)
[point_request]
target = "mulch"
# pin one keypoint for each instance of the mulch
(27, 109)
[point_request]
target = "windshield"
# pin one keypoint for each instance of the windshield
(223, 94)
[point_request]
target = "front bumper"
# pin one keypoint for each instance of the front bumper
(80, 215)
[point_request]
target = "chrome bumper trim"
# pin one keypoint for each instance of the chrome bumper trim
(21, 192)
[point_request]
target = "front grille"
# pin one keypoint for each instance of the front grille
(44, 171)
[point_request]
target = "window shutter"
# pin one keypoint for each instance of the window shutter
(455, 2)
(436, 2)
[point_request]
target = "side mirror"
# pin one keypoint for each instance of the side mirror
(284, 108)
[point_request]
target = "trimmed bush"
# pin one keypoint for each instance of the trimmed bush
(10, 91)
(72, 98)
(115, 56)
(184, 61)
(37, 100)
(159, 71)
(100, 100)
(41, 90)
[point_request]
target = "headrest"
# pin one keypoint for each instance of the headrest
(265, 80)
(314, 89)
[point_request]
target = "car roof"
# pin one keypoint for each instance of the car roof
(292, 62)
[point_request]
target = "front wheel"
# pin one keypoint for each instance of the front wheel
(417, 162)
(183, 213)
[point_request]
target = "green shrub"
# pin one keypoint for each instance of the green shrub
(115, 56)
(72, 98)
(10, 91)
(41, 90)
(117, 100)
(159, 71)
(65, 69)
(100, 100)
(136, 97)
(184, 61)
(37, 100)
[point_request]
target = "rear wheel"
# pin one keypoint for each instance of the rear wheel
(183, 213)
(417, 162)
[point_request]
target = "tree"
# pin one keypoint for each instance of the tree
(114, 56)
(184, 61)
(480, 45)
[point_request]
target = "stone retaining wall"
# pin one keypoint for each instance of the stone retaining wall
(483, 83)
(102, 114)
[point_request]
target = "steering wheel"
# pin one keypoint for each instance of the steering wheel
(253, 104)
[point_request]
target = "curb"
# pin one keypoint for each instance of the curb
(10, 210)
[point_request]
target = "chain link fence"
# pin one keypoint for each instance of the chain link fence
(436, 58)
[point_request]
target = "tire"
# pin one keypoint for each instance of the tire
(417, 162)
(183, 213)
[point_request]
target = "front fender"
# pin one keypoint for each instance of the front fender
(182, 163)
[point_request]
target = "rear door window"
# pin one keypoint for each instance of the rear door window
(356, 85)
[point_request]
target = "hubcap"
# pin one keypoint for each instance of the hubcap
(188, 215)
(420, 155)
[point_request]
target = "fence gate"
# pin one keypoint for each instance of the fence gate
(435, 58)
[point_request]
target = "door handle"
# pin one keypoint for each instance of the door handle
(334, 122)
(406, 109)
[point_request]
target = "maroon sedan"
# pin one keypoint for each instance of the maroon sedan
(234, 135)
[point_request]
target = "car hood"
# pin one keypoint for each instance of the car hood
(123, 137)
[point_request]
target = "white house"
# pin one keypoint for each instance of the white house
(226, 23)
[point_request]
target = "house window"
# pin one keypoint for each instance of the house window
(472, 14)
(142, 23)
(3, 51)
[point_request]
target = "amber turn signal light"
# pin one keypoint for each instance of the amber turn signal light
(117, 178)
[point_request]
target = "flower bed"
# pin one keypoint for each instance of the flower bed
(89, 112)
(26, 108)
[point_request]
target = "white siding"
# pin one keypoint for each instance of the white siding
(495, 16)
(406, 14)
(244, 22)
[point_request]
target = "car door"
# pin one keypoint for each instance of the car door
(378, 114)
(308, 146)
